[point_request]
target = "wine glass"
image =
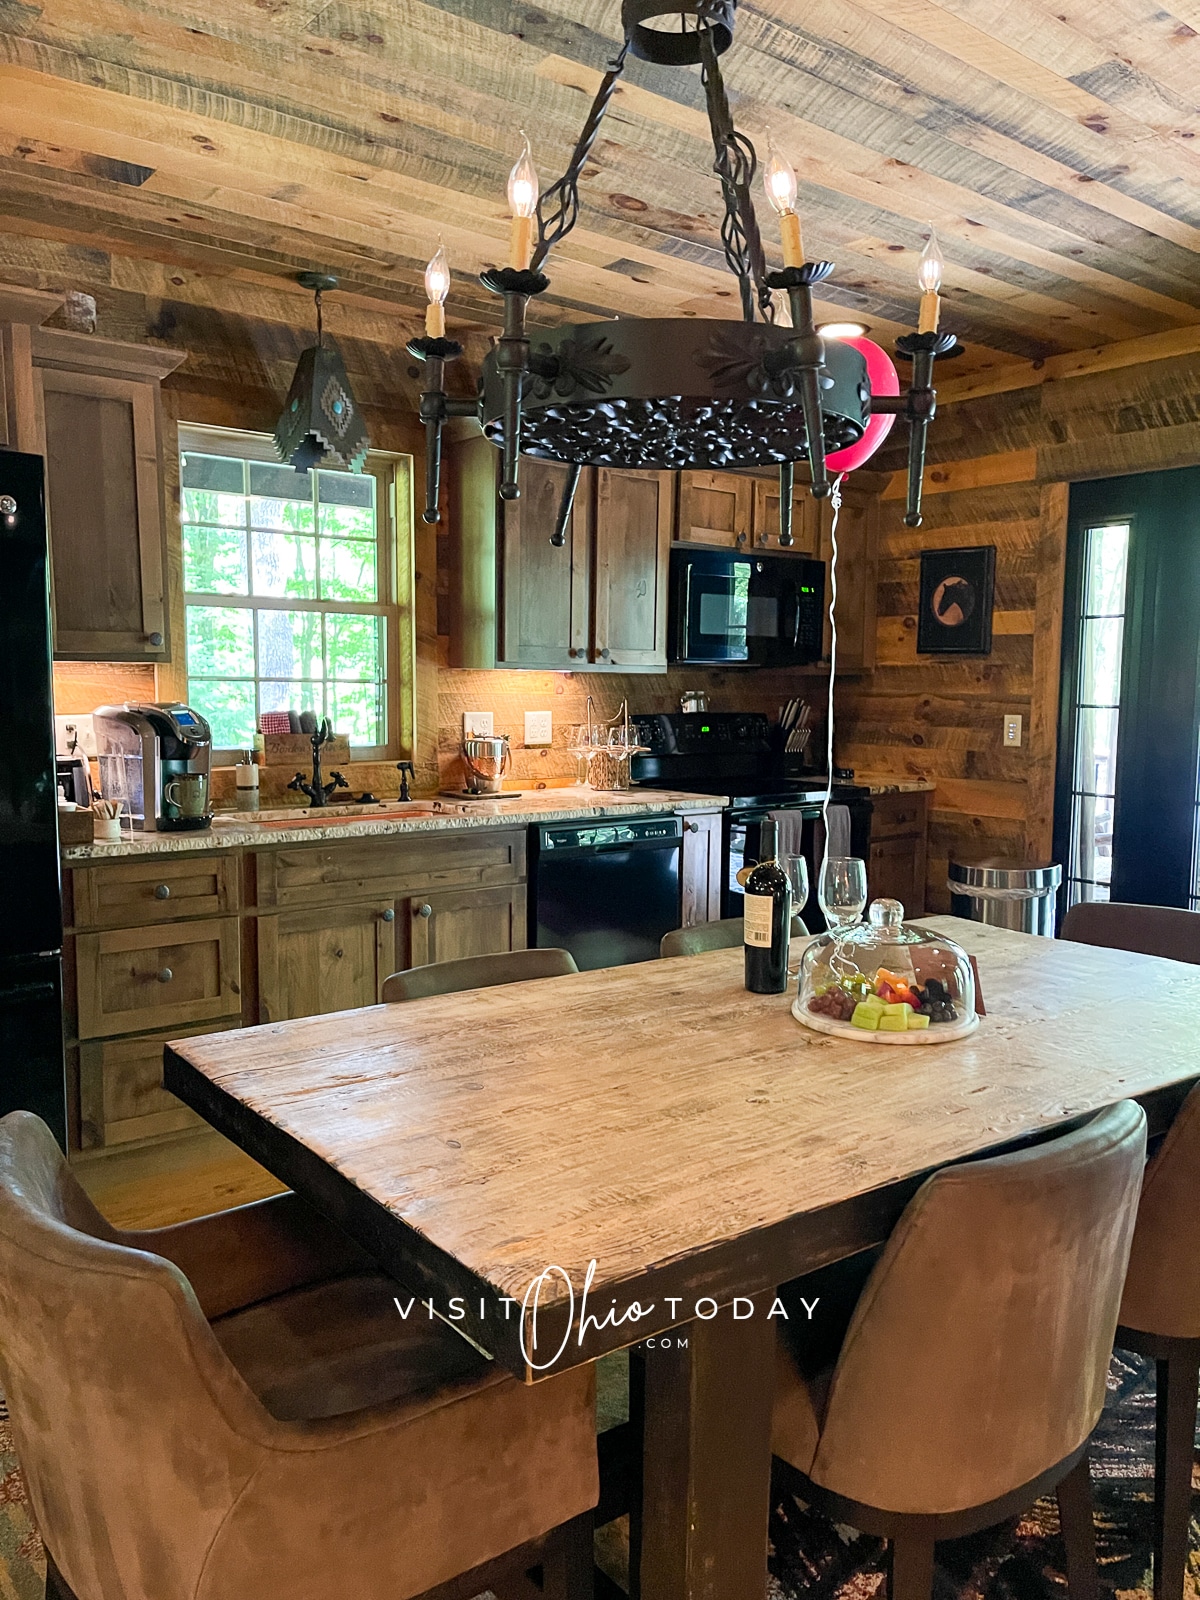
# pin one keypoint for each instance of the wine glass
(842, 891)
(796, 868)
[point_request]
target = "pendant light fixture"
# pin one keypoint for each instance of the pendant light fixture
(677, 392)
(321, 424)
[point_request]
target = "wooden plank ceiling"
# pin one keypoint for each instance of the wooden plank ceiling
(205, 150)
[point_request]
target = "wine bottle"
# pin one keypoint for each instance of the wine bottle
(768, 918)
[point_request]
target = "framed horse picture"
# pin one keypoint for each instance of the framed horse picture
(957, 590)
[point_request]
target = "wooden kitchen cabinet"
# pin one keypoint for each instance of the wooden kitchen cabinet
(806, 518)
(858, 574)
(327, 958)
(634, 516)
(99, 417)
(476, 922)
(121, 1094)
(129, 894)
(899, 831)
(715, 508)
(131, 979)
(701, 868)
(597, 603)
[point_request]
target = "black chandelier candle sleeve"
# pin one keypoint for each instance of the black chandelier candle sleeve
(565, 506)
(435, 407)
(919, 405)
(511, 355)
(804, 357)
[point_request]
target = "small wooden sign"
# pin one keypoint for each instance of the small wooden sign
(295, 750)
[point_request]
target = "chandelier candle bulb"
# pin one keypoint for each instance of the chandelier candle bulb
(929, 279)
(779, 180)
(437, 287)
(522, 200)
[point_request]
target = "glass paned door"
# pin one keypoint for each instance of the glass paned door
(1097, 711)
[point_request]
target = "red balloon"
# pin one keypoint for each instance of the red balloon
(882, 378)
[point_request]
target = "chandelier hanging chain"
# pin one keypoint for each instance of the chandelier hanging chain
(736, 164)
(558, 208)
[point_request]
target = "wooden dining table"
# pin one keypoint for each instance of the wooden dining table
(679, 1147)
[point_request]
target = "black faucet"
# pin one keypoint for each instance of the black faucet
(318, 793)
(405, 769)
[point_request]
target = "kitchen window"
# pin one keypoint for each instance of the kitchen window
(298, 591)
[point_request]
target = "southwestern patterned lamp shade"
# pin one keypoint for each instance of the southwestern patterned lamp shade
(321, 424)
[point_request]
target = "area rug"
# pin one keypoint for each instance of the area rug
(813, 1560)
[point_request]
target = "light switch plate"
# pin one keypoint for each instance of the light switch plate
(477, 724)
(74, 736)
(1012, 729)
(539, 727)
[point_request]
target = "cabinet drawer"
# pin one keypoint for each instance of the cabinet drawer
(133, 894)
(133, 979)
(896, 814)
(309, 875)
(121, 1094)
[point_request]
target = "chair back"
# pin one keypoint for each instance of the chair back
(134, 1434)
(478, 972)
(726, 934)
(1162, 1289)
(977, 1355)
(1151, 930)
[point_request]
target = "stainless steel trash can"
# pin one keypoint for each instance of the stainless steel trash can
(1021, 898)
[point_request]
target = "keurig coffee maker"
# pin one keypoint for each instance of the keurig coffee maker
(155, 759)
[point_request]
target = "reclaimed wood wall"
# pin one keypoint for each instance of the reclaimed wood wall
(1001, 465)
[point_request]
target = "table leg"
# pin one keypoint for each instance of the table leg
(707, 1459)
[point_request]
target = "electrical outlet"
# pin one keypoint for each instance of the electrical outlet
(477, 724)
(1012, 729)
(74, 736)
(539, 727)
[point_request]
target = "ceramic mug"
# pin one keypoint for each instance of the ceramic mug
(187, 793)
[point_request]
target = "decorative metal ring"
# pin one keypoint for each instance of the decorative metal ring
(682, 49)
(800, 277)
(514, 280)
(425, 349)
(943, 345)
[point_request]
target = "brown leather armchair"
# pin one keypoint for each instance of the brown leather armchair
(973, 1369)
(1165, 931)
(1160, 1317)
(478, 972)
(726, 934)
(235, 1407)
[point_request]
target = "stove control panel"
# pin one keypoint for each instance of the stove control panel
(701, 732)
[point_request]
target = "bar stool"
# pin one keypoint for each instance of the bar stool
(478, 972)
(1160, 1318)
(973, 1369)
(725, 934)
(234, 1406)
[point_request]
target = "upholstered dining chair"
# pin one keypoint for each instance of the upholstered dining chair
(973, 1369)
(478, 972)
(1151, 930)
(236, 1407)
(725, 934)
(1160, 1317)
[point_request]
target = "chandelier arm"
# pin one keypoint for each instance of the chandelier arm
(434, 408)
(565, 506)
(735, 164)
(920, 406)
(558, 207)
(809, 358)
(787, 484)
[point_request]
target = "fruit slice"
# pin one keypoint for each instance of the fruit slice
(900, 1008)
(917, 1020)
(894, 1022)
(866, 1016)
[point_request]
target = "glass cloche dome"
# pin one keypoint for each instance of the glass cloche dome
(886, 982)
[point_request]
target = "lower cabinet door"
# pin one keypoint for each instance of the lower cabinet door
(897, 872)
(121, 1094)
(702, 855)
(466, 922)
(134, 979)
(332, 958)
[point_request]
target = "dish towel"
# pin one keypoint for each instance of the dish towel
(839, 831)
(789, 834)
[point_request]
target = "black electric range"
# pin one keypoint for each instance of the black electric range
(739, 754)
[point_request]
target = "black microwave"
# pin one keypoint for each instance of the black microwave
(729, 606)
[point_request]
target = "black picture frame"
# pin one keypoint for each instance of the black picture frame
(957, 594)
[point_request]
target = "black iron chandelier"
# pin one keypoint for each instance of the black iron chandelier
(675, 392)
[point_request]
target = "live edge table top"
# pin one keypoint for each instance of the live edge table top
(691, 1139)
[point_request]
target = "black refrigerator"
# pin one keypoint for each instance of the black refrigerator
(32, 1073)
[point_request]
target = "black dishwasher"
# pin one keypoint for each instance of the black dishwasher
(607, 892)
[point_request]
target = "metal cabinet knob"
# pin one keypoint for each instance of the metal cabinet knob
(425, 910)
(741, 539)
(605, 655)
(389, 915)
(165, 975)
(162, 891)
(692, 827)
(8, 506)
(154, 640)
(572, 651)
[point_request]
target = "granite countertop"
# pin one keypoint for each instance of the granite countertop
(239, 830)
(881, 783)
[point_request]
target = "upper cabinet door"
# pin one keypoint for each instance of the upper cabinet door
(544, 588)
(634, 517)
(715, 508)
(99, 414)
(806, 518)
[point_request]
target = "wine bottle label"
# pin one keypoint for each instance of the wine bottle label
(759, 910)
